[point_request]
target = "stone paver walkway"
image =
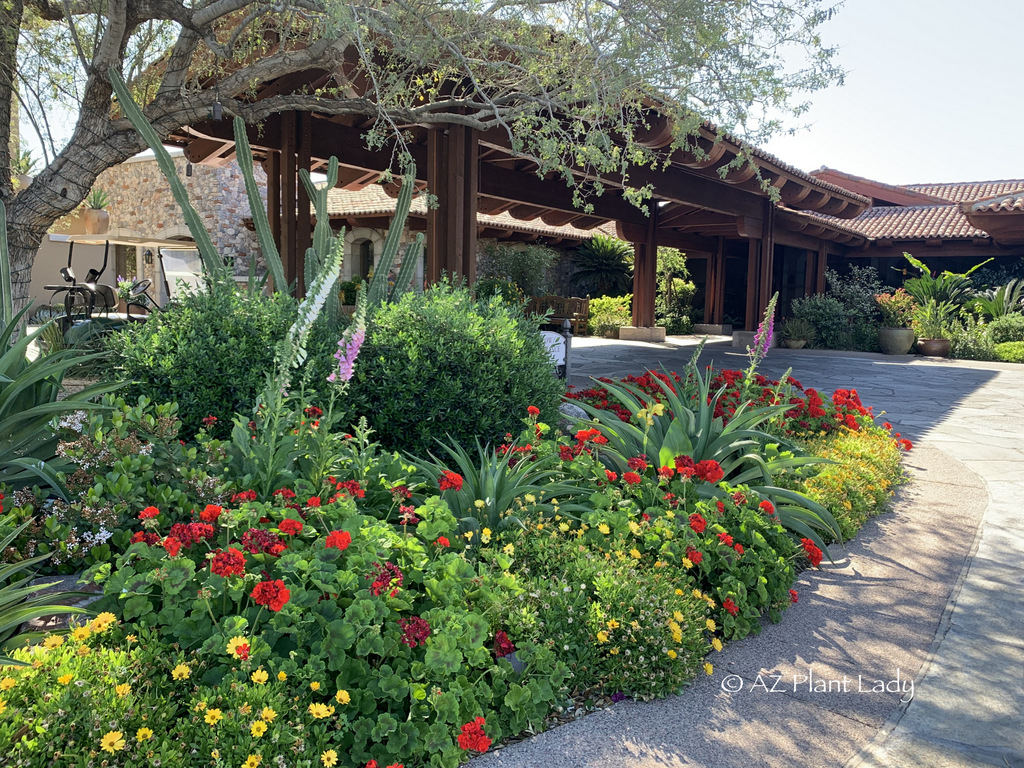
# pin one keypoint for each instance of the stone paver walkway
(909, 650)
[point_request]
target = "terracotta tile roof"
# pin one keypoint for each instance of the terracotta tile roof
(916, 222)
(1011, 202)
(969, 190)
(374, 201)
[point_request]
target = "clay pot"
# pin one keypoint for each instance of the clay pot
(933, 347)
(895, 341)
(795, 343)
(96, 221)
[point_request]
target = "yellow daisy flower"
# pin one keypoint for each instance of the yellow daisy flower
(314, 686)
(634, 553)
(710, 624)
(716, 644)
(53, 641)
(235, 643)
(65, 679)
(268, 714)
(342, 697)
(613, 624)
(329, 758)
(200, 706)
(123, 689)
(260, 676)
(602, 637)
(84, 650)
(181, 672)
(634, 526)
(687, 563)
(320, 711)
(7, 683)
(213, 716)
(709, 668)
(282, 676)
(112, 741)
(603, 528)
(143, 734)
(252, 761)
(131, 638)
(509, 549)
(80, 634)
(671, 654)
(258, 728)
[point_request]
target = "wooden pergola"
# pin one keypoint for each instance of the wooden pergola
(694, 207)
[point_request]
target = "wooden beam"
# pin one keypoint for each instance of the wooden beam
(633, 233)
(211, 152)
(289, 245)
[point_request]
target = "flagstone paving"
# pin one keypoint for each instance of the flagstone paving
(907, 651)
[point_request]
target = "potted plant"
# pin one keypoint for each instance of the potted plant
(797, 332)
(896, 336)
(96, 219)
(931, 321)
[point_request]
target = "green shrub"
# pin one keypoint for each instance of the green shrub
(609, 313)
(1007, 328)
(971, 339)
(603, 266)
(526, 267)
(440, 364)
(209, 353)
(828, 317)
(1010, 351)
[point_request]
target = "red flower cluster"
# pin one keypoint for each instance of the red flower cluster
(209, 421)
(793, 597)
(338, 540)
(739, 549)
(256, 541)
(313, 502)
(725, 538)
(533, 410)
(285, 493)
(767, 507)
(415, 631)
(631, 478)
(695, 556)
(684, 466)
(152, 539)
(473, 737)
(243, 496)
(811, 550)
(450, 481)
(709, 471)
(442, 541)
(192, 533)
(210, 514)
(386, 576)
(400, 492)
(230, 563)
(730, 607)
(502, 645)
(273, 594)
(647, 383)
(698, 523)
(407, 515)
(612, 477)
(350, 488)
(290, 527)
(312, 412)
(638, 463)
(666, 473)
(172, 545)
(591, 435)
(148, 513)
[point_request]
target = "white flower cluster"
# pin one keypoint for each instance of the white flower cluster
(90, 539)
(75, 421)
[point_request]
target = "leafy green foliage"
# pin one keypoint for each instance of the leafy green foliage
(999, 302)
(439, 363)
(932, 319)
(797, 329)
(971, 339)
(602, 267)
(609, 313)
(946, 287)
(1010, 351)
(1007, 328)
(209, 353)
(525, 267)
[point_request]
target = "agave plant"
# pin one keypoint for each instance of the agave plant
(29, 390)
(746, 452)
(492, 483)
(20, 600)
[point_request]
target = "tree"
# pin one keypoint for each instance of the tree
(574, 84)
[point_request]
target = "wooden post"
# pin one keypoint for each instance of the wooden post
(810, 282)
(289, 245)
(470, 197)
(645, 272)
(719, 313)
(822, 266)
(766, 275)
(753, 274)
(273, 169)
(437, 235)
(304, 216)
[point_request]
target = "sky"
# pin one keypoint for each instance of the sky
(933, 93)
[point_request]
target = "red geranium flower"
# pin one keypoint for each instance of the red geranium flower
(450, 481)
(631, 478)
(612, 477)
(767, 507)
(739, 549)
(666, 472)
(695, 556)
(230, 563)
(415, 631)
(172, 545)
(725, 538)
(709, 471)
(638, 463)
(244, 496)
(442, 541)
(793, 597)
(148, 513)
(290, 527)
(273, 594)
(473, 737)
(811, 550)
(698, 523)
(313, 502)
(210, 514)
(209, 421)
(721, 507)
(339, 540)
(533, 410)
(731, 608)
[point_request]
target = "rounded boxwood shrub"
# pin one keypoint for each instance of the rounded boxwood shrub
(440, 365)
(1010, 351)
(209, 352)
(1007, 328)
